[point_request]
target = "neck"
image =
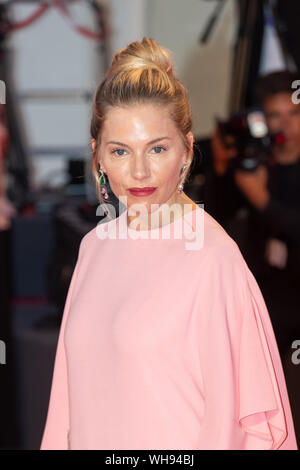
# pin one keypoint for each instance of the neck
(162, 216)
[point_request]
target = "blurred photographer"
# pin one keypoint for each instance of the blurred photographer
(260, 179)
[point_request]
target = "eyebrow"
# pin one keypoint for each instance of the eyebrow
(124, 145)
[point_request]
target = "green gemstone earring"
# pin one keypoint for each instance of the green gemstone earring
(103, 187)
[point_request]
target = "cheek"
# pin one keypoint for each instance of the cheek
(274, 124)
(116, 172)
(293, 129)
(168, 174)
(297, 126)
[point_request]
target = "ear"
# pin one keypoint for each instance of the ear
(93, 143)
(191, 140)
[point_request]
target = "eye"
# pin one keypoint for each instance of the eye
(117, 150)
(273, 116)
(159, 147)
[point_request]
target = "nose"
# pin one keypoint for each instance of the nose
(140, 168)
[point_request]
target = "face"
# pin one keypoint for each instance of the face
(141, 147)
(284, 115)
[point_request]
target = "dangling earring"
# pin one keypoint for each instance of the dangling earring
(103, 187)
(180, 187)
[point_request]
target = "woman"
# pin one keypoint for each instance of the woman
(165, 341)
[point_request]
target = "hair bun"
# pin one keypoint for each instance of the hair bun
(145, 54)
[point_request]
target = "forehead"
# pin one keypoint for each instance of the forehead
(280, 102)
(138, 121)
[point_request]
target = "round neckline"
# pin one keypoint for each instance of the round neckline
(157, 230)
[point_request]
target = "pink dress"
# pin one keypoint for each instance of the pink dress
(166, 343)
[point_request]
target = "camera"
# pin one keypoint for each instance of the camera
(248, 133)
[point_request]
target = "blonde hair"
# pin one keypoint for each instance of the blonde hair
(141, 72)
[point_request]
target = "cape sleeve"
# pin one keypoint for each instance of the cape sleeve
(56, 430)
(246, 400)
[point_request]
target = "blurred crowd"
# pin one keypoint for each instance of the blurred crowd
(259, 206)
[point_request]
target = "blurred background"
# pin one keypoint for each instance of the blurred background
(239, 60)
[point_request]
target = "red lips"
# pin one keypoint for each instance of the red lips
(142, 191)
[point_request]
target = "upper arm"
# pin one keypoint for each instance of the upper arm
(55, 434)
